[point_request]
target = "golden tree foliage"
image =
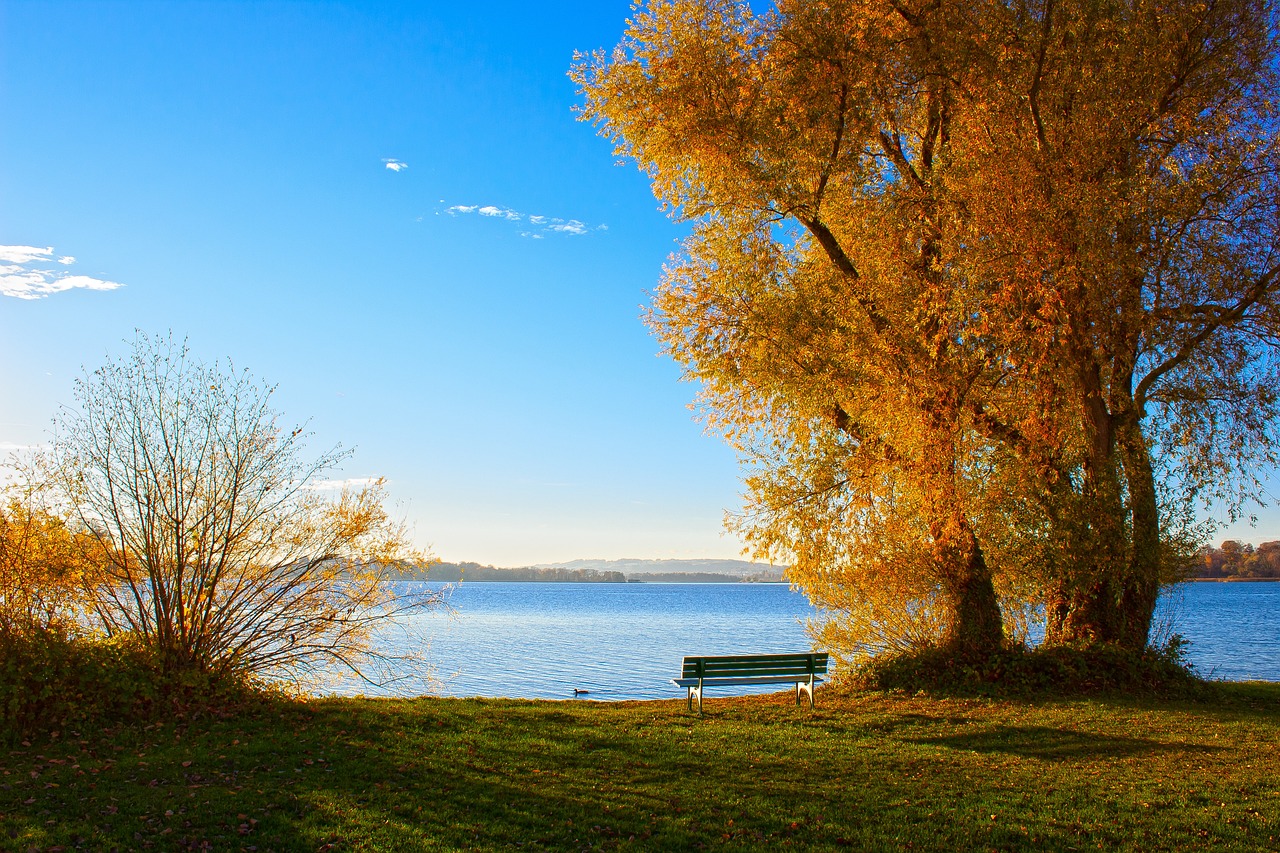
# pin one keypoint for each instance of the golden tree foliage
(983, 293)
(222, 549)
(816, 291)
(45, 568)
(1136, 246)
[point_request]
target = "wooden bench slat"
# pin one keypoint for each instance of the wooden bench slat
(760, 679)
(772, 657)
(710, 667)
(819, 657)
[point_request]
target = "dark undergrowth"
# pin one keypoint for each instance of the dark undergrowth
(1045, 671)
(52, 680)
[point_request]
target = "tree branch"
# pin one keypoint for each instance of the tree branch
(1211, 326)
(892, 146)
(1033, 97)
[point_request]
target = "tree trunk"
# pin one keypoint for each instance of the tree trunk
(1084, 602)
(1142, 576)
(977, 629)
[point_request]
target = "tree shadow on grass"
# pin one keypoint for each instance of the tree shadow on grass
(1224, 701)
(463, 774)
(499, 774)
(1057, 744)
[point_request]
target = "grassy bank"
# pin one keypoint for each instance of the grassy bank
(866, 771)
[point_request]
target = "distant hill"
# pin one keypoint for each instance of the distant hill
(735, 569)
(453, 572)
(694, 577)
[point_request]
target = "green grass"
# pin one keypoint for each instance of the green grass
(864, 771)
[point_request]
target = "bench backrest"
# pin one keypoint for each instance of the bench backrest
(728, 666)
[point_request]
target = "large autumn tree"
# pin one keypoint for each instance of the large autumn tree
(1135, 235)
(982, 291)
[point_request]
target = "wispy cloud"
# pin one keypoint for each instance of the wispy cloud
(14, 447)
(25, 254)
(395, 165)
(573, 226)
(339, 485)
(534, 225)
(23, 274)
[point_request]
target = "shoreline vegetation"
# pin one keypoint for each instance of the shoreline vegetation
(895, 771)
(1238, 561)
(1233, 580)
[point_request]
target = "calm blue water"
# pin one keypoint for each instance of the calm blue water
(625, 641)
(1234, 628)
(617, 641)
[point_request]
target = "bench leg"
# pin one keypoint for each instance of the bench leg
(696, 691)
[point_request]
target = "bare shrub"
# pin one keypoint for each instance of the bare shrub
(223, 549)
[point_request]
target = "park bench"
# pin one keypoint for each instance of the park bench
(805, 670)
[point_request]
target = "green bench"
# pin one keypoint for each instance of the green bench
(805, 670)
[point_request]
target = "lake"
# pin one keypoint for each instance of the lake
(625, 641)
(1234, 628)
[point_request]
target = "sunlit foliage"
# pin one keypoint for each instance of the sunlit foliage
(984, 294)
(45, 568)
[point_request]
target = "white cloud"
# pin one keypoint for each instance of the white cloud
(339, 485)
(505, 213)
(395, 165)
(573, 226)
(24, 254)
(544, 225)
(22, 278)
(72, 281)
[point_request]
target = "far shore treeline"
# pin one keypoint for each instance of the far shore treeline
(454, 572)
(1241, 561)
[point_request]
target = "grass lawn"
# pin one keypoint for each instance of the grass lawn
(864, 771)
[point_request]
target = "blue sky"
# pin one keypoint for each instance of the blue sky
(227, 163)
(468, 320)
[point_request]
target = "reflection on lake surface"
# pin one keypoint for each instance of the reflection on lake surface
(625, 641)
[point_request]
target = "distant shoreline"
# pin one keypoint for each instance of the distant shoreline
(1234, 580)
(726, 579)
(584, 571)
